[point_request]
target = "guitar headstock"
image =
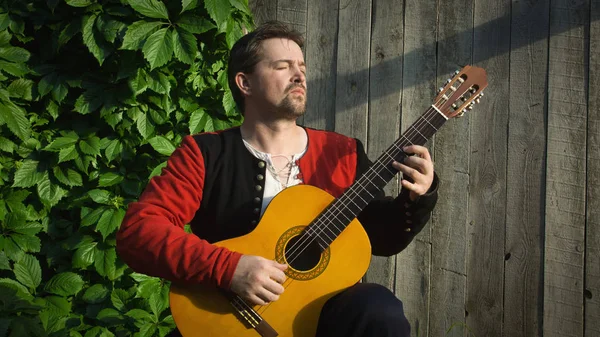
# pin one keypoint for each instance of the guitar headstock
(461, 92)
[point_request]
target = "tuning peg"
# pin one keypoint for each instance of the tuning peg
(456, 72)
(449, 80)
(440, 89)
(477, 100)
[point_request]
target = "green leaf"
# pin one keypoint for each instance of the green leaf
(14, 54)
(15, 69)
(109, 221)
(150, 8)
(145, 126)
(218, 10)
(28, 271)
(109, 316)
(47, 83)
(90, 146)
(68, 176)
(4, 264)
(67, 154)
(119, 298)
(158, 49)
(162, 145)
(84, 255)
(7, 145)
(27, 243)
(148, 330)
(195, 23)
(4, 21)
(96, 294)
(15, 119)
(49, 193)
(12, 250)
(109, 179)
(21, 88)
(229, 103)
(21, 290)
(71, 29)
(105, 262)
(100, 196)
(198, 121)
(140, 315)
(61, 143)
(187, 5)
(64, 284)
(79, 3)
(113, 150)
(241, 5)
(92, 217)
(4, 37)
(59, 305)
(158, 169)
(92, 40)
(52, 109)
(138, 32)
(185, 45)
(28, 174)
(158, 304)
(158, 82)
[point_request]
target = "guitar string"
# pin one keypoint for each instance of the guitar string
(370, 175)
(395, 150)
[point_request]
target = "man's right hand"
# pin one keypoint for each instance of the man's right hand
(258, 280)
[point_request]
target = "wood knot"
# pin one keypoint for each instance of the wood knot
(353, 86)
(379, 55)
(396, 35)
(322, 40)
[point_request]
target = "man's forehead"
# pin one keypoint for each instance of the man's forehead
(279, 48)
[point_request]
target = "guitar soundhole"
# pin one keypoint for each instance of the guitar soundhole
(302, 254)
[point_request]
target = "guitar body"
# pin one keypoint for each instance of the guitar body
(205, 311)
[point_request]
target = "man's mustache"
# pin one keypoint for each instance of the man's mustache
(294, 86)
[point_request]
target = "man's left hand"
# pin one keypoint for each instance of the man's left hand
(419, 168)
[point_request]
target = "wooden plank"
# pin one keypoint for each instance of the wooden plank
(293, 13)
(525, 175)
(564, 266)
(263, 10)
(413, 265)
(592, 252)
(385, 85)
(321, 64)
(487, 197)
(353, 52)
(451, 152)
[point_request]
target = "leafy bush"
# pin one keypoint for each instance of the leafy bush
(94, 95)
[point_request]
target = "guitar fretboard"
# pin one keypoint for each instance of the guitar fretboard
(338, 215)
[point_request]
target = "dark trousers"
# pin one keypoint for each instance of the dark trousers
(363, 310)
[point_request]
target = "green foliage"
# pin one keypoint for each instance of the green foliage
(94, 95)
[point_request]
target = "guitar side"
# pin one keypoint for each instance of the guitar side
(204, 311)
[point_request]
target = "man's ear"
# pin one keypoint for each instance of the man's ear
(243, 83)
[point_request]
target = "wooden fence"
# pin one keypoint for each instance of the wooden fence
(513, 245)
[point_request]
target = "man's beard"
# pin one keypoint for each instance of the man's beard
(292, 107)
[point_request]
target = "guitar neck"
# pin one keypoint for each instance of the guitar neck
(338, 215)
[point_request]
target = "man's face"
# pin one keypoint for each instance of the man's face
(279, 79)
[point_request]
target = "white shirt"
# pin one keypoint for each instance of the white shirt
(272, 183)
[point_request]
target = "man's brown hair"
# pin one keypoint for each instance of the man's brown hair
(246, 53)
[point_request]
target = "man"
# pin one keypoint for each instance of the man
(221, 182)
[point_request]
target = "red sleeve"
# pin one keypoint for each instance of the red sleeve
(152, 240)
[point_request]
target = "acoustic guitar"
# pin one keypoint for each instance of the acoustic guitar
(326, 248)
